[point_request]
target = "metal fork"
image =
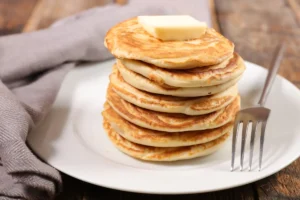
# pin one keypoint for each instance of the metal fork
(255, 115)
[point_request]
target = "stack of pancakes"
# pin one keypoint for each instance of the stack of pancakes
(170, 100)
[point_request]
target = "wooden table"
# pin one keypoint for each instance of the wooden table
(255, 27)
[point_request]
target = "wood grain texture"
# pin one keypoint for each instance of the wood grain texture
(295, 6)
(283, 185)
(256, 27)
(214, 17)
(48, 11)
(121, 2)
(75, 189)
(14, 14)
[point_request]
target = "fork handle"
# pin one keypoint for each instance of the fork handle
(272, 74)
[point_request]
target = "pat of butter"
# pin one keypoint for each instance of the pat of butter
(173, 27)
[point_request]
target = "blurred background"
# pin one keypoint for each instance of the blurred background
(255, 26)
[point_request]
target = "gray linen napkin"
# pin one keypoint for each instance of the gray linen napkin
(32, 67)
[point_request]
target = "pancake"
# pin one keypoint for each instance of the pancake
(154, 138)
(129, 40)
(197, 77)
(171, 104)
(162, 153)
(142, 83)
(171, 122)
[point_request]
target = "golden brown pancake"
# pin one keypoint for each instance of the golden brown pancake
(171, 104)
(154, 138)
(129, 40)
(221, 73)
(140, 82)
(162, 153)
(171, 122)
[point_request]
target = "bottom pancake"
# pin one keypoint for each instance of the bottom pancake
(162, 153)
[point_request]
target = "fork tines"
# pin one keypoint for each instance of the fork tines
(253, 116)
(256, 115)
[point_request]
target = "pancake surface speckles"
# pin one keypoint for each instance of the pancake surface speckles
(196, 77)
(154, 138)
(129, 40)
(171, 122)
(171, 104)
(162, 153)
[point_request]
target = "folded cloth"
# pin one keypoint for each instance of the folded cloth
(32, 68)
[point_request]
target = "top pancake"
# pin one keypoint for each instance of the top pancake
(129, 40)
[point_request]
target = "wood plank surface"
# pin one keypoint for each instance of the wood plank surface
(255, 27)
(75, 189)
(14, 15)
(48, 11)
(295, 6)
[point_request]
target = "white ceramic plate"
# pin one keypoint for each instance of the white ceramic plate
(71, 139)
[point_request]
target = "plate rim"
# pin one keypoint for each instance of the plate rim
(192, 191)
